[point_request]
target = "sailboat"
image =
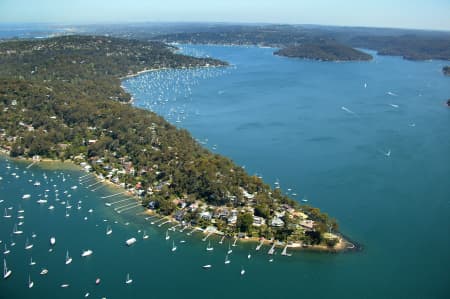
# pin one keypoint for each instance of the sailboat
(145, 236)
(128, 280)
(209, 248)
(108, 230)
(173, 246)
(167, 235)
(86, 253)
(30, 283)
(32, 263)
(227, 261)
(229, 249)
(28, 245)
(6, 214)
(242, 271)
(6, 250)
(6, 273)
(68, 258)
(15, 231)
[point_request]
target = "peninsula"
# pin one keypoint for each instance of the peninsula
(409, 44)
(323, 51)
(61, 99)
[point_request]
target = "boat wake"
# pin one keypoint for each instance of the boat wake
(349, 111)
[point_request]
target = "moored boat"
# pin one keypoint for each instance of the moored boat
(87, 253)
(6, 272)
(130, 241)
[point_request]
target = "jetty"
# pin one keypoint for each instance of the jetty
(207, 236)
(165, 222)
(129, 208)
(272, 249)
(108, 196)
(189, 233)
(34, 162)
(96, 183)
(284, 252)
(125, 206)
(259, 245)
(119, 201)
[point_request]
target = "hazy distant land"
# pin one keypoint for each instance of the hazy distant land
(325, 51)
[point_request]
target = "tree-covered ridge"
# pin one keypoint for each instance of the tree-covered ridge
(61, 98)
(412, 45)
(324, 51)
(446, 70)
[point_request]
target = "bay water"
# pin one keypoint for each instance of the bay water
(367, 142)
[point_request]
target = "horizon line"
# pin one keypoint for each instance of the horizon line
(248, 23)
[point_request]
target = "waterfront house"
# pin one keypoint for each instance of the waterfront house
(258, 221)
(308, 224)
(277, 222)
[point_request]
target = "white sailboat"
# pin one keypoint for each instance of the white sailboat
(6, 272)
(32, 263)
(6, 250)
(68, 258)
(229, 249)
(52, 241)
(173, 246)
(242, 271)
(30, 282)
(209, 247)
(167, 235)
(144, 236)
(227, 261)
(87, 253)
(6, 214)
(16, 231)
(108, 230)
(128, 280)
(28, 246)
(44, 271)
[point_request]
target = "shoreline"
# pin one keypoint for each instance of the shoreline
(341, 246)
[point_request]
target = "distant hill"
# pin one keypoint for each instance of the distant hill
(410, 44)
(324, 51)
(411, 47)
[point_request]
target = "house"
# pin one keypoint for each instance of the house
(258, 221)
(308, 223)
(277, 222)
(232, 219)
(179, 215)
(206, 215)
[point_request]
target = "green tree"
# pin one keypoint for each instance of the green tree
(244, 222)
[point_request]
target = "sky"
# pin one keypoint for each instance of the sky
(417, 14)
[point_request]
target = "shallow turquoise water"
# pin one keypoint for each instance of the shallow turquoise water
(282, 119)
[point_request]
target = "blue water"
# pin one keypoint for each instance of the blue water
(283, 119)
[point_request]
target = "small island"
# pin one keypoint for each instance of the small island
(61, 99)
(324, 51)
(446, 70)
